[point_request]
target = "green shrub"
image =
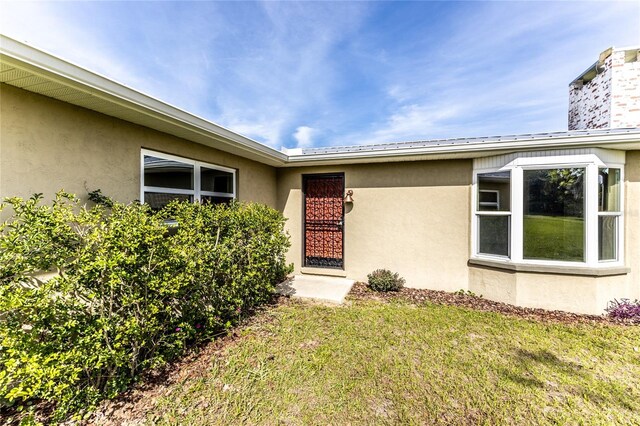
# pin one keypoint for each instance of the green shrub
(125, 294)
(385, 280)
(463, 292)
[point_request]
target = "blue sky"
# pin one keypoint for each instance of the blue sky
(300, 74)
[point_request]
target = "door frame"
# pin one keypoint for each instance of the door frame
(305, 178)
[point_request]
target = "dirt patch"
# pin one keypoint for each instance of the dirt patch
(360, 291)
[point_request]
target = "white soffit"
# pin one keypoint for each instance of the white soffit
(39, 72)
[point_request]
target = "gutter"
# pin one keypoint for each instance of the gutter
(48, 66)
(472, 149)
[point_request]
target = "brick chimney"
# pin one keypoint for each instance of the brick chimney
(607, 94)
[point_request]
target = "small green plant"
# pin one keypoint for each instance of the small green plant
(99, 198)
(385, 280)
(463, 292)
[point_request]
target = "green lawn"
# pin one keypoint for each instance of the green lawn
(553, 237)
(395, 363)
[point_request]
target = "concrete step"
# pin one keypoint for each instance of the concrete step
(321, 288)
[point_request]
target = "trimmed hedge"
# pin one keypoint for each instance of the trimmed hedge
(126, 293)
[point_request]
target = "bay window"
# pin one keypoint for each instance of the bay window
(165, 178)
(551, 209)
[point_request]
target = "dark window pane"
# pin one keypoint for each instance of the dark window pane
(607, 238)
(216, 180)
(167, 173)
(494, 191)
(494, 235)
(554, 214)
(158, 200)
(609, 190)
(206, 199)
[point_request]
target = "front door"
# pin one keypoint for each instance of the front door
(323, 220)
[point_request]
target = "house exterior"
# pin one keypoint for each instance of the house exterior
(542, 220)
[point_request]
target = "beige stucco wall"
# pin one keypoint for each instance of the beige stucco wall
(632, 220)
(414, 218)
(48, 145)
(411, 217)
(574, 293)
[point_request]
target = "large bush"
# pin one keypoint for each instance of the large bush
(125, 293)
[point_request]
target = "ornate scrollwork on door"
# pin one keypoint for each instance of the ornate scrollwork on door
(323, 221)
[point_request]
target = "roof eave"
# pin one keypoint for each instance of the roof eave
(624, 141)
(46, 65)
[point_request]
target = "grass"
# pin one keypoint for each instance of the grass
(552, 237)
(396, 363)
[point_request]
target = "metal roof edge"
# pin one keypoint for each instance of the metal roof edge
(475, 149)
(26, 56)
(49, 66)
(585, 72)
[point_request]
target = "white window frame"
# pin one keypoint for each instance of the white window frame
(495, 204)
(618, 214)
(591, 163)
(477, 213)
(196, 192)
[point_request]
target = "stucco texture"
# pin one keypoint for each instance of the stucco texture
(47, 145)
(574, 293)
(412, 218)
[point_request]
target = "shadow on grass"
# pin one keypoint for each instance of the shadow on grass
(548, 359)
(578, 381)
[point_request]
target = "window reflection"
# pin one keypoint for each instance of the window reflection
(608, 190)
(554, 225)
(216, 180)
(163, 173)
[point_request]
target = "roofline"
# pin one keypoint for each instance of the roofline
(603, 55)
(50, 67)
(585, 72)
(472, 149)
(46, 65)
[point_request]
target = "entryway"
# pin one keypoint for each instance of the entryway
(323, 220)
(320, 288)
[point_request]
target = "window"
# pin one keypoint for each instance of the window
(166, 178)
(609, 213)
(553, 214)
(556, 210)
(494, 213)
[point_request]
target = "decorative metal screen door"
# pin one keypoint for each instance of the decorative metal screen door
(323, 220)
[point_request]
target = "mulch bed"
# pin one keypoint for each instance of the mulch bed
(360, 291)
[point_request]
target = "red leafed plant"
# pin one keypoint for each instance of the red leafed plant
(625, 309)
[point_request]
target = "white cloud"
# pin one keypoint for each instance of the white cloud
(261, 71)
(304, 136)
(262, 129)
(43, 26)
(480, 81)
